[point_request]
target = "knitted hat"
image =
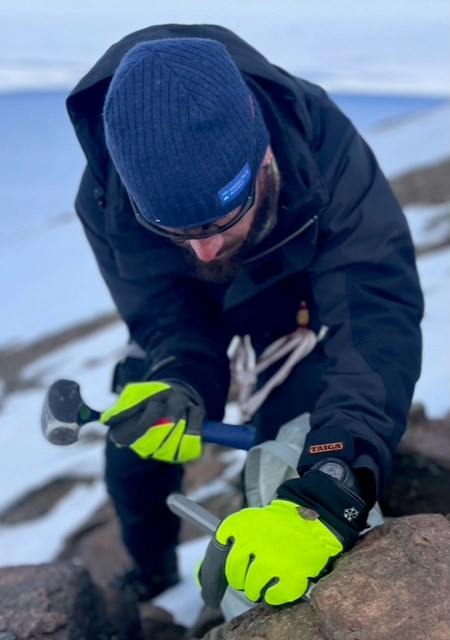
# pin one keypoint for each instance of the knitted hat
(184, 131)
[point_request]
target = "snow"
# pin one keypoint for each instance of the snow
(385, 63)
(42, 539)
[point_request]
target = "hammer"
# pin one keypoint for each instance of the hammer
(64, 412)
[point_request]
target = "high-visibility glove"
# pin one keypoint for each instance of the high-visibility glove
(159, 420)
(273, 552)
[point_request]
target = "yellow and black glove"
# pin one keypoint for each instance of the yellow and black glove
(159, 420)
(273, 552)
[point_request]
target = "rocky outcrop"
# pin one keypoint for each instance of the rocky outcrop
(421, 473)
(393, 585)
(59, 601)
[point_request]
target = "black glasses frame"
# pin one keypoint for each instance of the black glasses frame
(205, 230)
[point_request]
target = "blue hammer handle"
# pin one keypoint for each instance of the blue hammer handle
(236, 436)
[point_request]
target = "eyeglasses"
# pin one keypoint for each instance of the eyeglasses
(202, 231)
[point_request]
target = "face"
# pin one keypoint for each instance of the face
(218, 258)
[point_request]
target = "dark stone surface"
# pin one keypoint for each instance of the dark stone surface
(51, 601)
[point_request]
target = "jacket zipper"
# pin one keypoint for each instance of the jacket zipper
(279, 244)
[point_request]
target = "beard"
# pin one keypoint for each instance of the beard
(265, 217)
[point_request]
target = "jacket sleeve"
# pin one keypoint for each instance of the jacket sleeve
(367, 290)
(164, 310)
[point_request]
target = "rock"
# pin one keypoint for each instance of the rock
(40, 501)
(393, 584)
(154, 630)
(158, 624)
(418, 485)
(421, 469)
(56, 601)
(427, 185)
(122, 619)
(97, 545)
(267, 623)
(208, 619)
(427, 438)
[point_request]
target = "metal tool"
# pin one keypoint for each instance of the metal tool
(233, 602)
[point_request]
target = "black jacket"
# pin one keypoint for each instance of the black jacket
(341, 241)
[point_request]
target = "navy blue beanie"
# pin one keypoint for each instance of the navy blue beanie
(184, 131)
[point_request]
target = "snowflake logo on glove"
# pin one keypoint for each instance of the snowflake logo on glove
(351, 513)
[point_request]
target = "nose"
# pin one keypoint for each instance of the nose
(207, 249)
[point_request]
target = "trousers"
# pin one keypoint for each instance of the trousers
(139, 488)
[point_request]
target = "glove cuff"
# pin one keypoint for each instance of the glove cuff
(339, 508)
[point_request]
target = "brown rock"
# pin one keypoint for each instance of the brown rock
(267, 623)
(122, 619)
(393, 585)
(418, 485)
(427, 185)
(427, 438)
(421, 469)
(53, 601)
(97, 545)
(209, 618)
(155, 630)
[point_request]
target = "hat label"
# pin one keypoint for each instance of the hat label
(236, 186)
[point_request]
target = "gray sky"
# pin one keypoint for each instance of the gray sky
(380, 45)
(405, 42)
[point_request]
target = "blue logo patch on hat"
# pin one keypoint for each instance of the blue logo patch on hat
(231, 190)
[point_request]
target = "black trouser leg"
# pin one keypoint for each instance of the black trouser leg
(138, 489)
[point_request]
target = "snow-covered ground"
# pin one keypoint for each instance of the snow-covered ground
(396, 50)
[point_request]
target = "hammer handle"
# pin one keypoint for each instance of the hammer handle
(236, 436)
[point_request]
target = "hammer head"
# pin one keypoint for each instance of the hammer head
(64, 412)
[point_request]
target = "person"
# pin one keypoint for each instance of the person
(220, 194)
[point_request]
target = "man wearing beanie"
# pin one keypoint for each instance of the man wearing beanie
(221, 195)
